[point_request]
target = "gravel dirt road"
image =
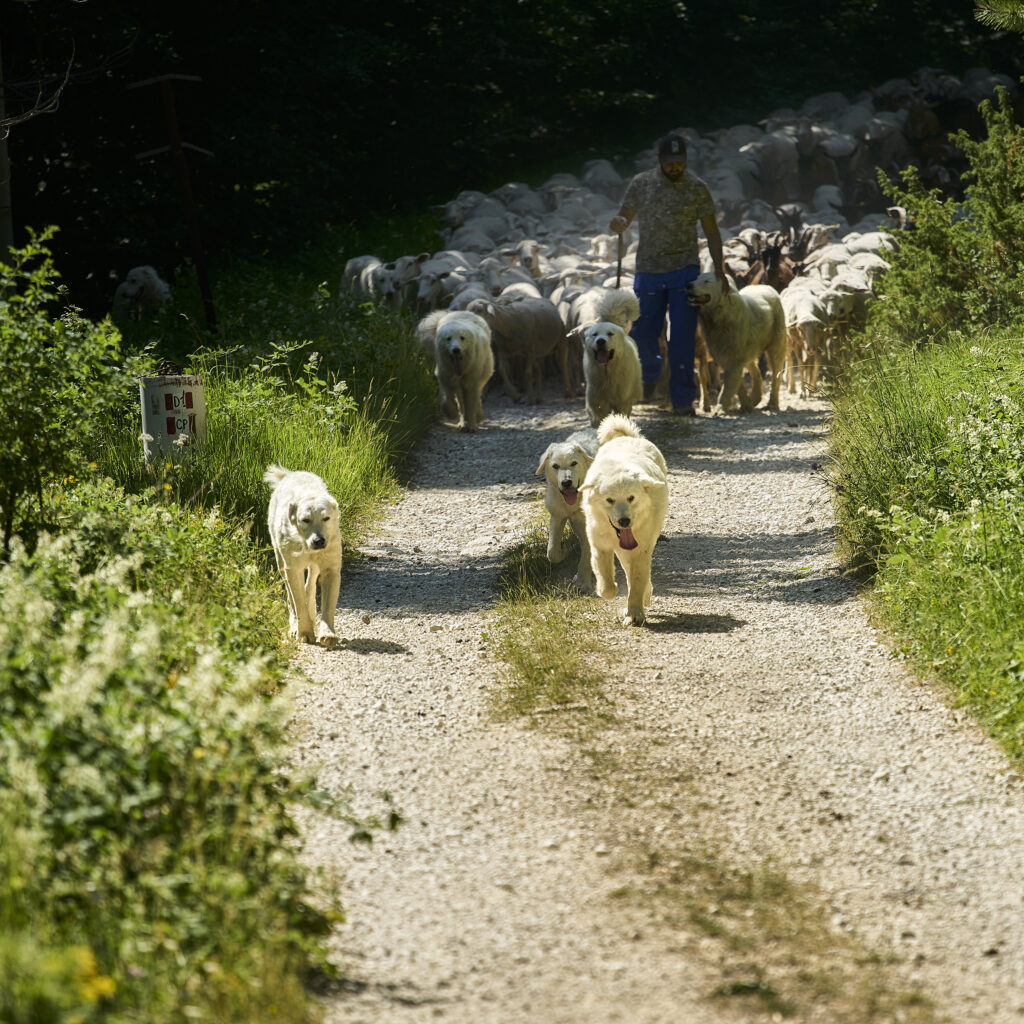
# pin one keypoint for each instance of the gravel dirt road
(771, 819)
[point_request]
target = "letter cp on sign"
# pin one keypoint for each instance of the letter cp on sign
(173, 415)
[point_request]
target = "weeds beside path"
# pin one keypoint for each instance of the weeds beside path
(758, 814)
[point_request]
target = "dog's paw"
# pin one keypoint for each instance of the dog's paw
(306, 637)
(325, 636)
(555, 555)
(634, 618)
(608, 592)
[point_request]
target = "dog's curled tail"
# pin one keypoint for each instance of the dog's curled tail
(275, 474)
(620, 306)
(616, 425)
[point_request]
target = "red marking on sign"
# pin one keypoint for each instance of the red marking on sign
(171, 426)
(168, 401)
(188, 399)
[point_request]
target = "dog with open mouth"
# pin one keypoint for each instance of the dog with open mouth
(564, 464)
(611, 371)
(625, 500)
(460, 342)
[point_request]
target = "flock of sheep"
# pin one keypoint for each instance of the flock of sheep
(798, 205)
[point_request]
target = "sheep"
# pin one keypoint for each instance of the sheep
(529, 328)
(601, 176)
(806, 322)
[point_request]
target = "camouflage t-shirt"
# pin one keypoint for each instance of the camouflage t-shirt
(668, 214)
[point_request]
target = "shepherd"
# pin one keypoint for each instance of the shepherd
(669, 200)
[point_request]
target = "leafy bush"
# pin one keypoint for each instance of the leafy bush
(58, 376)
(138, 773)
(928, 448)
(961, 265)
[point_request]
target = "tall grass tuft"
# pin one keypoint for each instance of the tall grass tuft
(346, 404)
(546, 634)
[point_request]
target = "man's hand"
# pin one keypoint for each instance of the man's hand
(618, 224)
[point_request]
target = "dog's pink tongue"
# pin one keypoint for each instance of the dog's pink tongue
(457, 364)
(602, 356)
(570, 497)
(626, 539)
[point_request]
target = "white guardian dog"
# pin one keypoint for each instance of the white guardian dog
(611, 371)
(738, 326)
(625, 499)
(564, 464)
(305, 533)
(463, 362)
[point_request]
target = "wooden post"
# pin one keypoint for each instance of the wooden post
(177, 151)
(6, 215)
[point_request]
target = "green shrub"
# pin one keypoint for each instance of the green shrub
(928, 448)
(139, 767)
(961, 265)
(58, 376)
(49, 986)
(311, 382)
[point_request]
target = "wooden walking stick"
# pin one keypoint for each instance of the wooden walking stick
(618, 269)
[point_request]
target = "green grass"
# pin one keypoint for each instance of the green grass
(766, 938)
(308, 380)
(150, 867)
(928, 457)
(546, 634)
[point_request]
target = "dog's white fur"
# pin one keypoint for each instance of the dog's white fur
(142, 291)
(625, 499)
(611, 371)
(306, 536)
(463, 362)
(738, 326)
(564, 464)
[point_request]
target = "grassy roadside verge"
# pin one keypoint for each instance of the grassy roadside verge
(767, 943)
(150, 867)
(929, 455)
(928, 441)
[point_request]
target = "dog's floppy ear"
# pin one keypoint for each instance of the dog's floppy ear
(544, 460)
(293, 508)
(649, 482)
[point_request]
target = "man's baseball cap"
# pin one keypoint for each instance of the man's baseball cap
(671, 146)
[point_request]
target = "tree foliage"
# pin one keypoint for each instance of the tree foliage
(318, 114)
(961, 263)
(59, 377)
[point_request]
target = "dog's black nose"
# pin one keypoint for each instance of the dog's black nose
(316, 541)
(624, 521)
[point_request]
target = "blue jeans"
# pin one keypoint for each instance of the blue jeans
(656, 294)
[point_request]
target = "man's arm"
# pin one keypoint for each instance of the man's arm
(624, 218)
(711, 233)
